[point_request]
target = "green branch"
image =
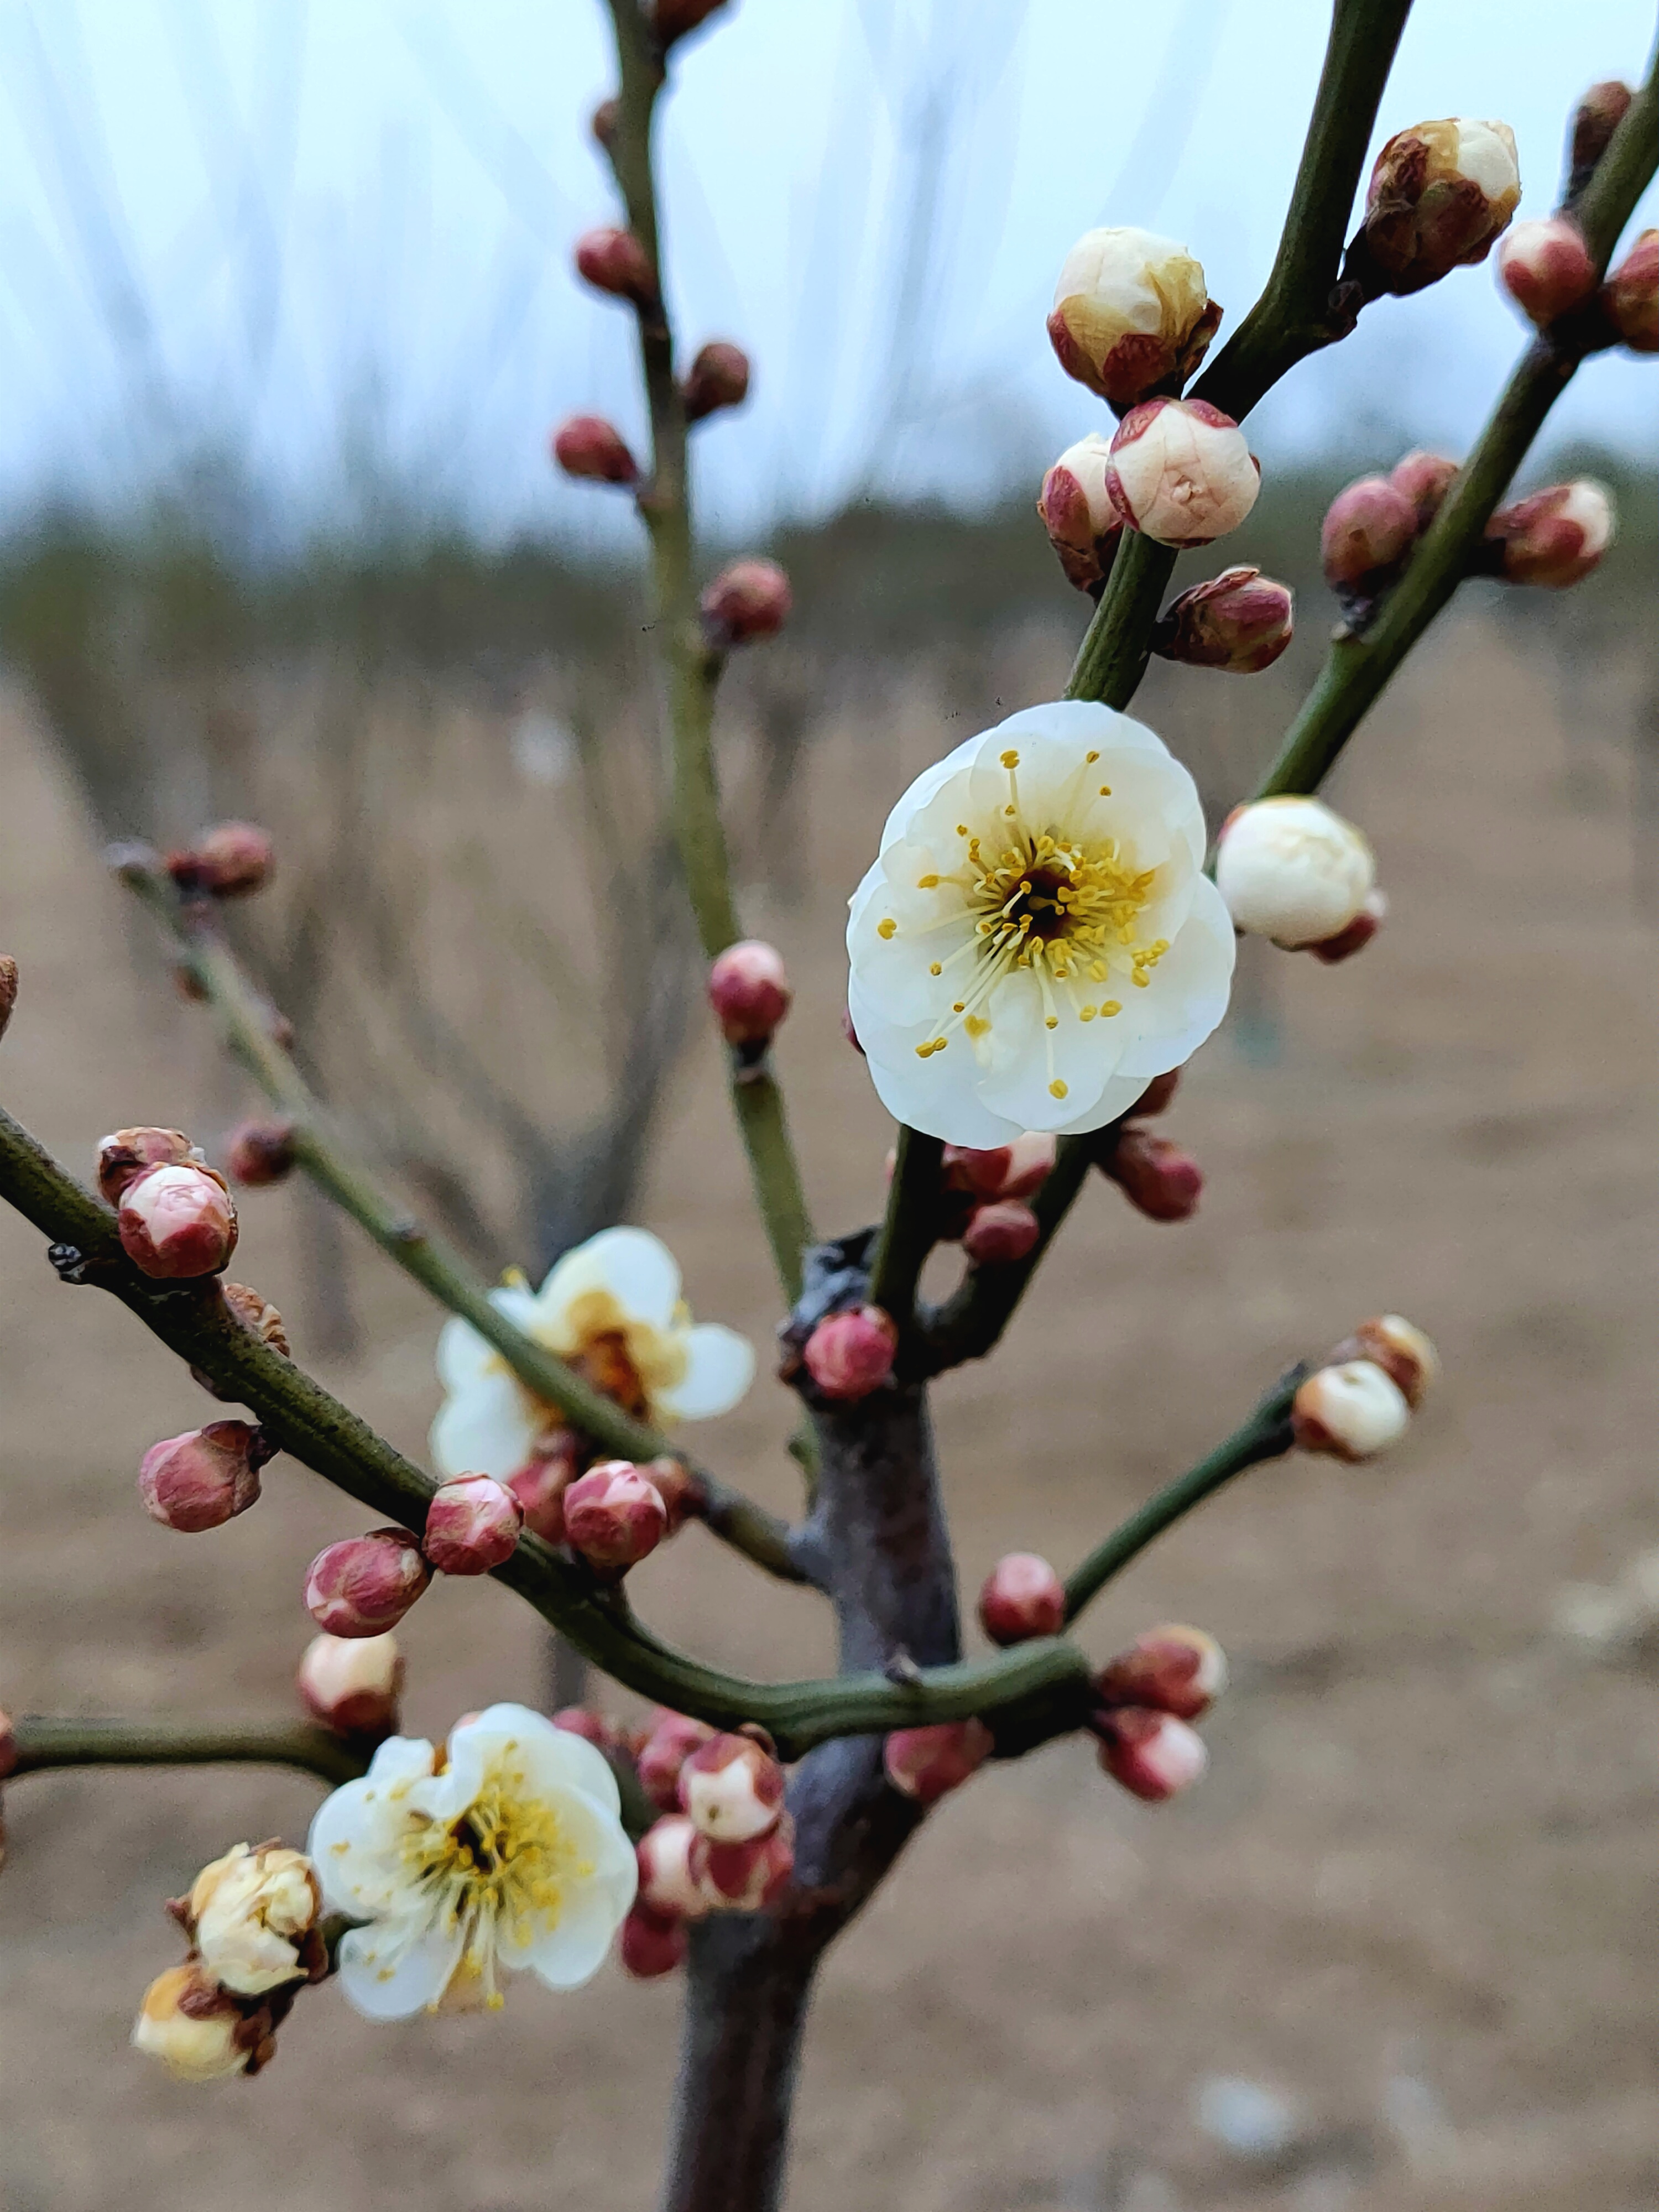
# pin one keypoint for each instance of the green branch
(907, 1228)
(45, 1744)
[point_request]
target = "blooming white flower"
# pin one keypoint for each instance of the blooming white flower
(612, 1308)
(1038, 940)
(507, 1852)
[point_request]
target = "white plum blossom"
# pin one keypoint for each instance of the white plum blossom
(612, 1308)
(1038, 940)
(507, 1852)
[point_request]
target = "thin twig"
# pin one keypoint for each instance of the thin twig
(973, 1318)
(45, 1743)
(907, 1228)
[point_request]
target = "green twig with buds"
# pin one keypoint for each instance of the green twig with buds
(43, 1744)
(970, 1321)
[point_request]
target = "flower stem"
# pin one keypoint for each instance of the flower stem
(906, 1236)
(44, 1743)
(970, 1321)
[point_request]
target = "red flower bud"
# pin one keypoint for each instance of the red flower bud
(260, 1153)
(1172, 1669)
(1152, 1754)
(1156, 1098)
(229, 860)
(366, 1584)
(1358, 934)
(603, 122)
(1157, 1177)
(178, 1221)
(981, 1174)
(749, 990)
(652, 1943)
(472, 1525)
(667, 1884)
(749, 1877)
(1000, 1233)
(1555, 538)
(614, 261)
(732, 1789)
(541, 1483)
(1546, 268)
(1022, 1597)
(8, 989)
(1598, 116)
(1425, 479)
(1367, 530)
(205, 1477)
(1632, 295)
(1240, 622)
(925, 1763)
(718, 378)
(592, 1728)
(851, 1354)
(614, 1515)
(750, 599)
(673, 19)
(129, 1153)
(671, 1741)
(352, 1684)
(589, 447)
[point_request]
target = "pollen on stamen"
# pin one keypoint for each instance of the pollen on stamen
(1051, 1022)
(935, 967)
(1112, 1006)
(1085, 1013)
(926, 883)
(1010, 759)
(887, 928)
(1057, 1088)
(958, 1006)
(1105, 790)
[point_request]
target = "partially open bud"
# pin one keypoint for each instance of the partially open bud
(1440, 194)
(1083, 527)
(1157, 1178)
(1022, 1597)
(1172, 1669)
(178, 1222)
(926, 1763)
(1632, 295)
(590, 448)
(259, 1152)
(1240, 622)
(351, 1685)
(230, 860)
(129, 1153)
(670, 1742)
(732, 1788)
(204, 1478)
(541, 1483)
(850, 1354)
(8, 989)
(999, 1234)
(1404, 1354)
(745, 1877)
(1181, 471)
(1352, 1411)
(1031, 1162)
(1425, 478)
(248, 1915)
(1152, 1754)
(1555, 538)
(667, 1884)
(614, 261)
(1291, 869)
(1131, 310)
(718, 378)
(750, 599)
(366, 1584)
(1546, 268)
(749, 990)
(472, 1525)
(1367, 532)
(614, 1515)
(1358, 934)
(196, 2029)
(652, 1943)
(1598, 115)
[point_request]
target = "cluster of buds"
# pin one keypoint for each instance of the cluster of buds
(1554, 538)
(364, 1585)
(352, 1684)
(1132, 314)
(1156, 1175)
(205, 1477)
(848, 1355)
(724, 1843)
(1240, 622)
(984, 1200)
(749, 990)
(1291, 869)
(232, 860)
(1441, 195)
(748, 599)
(174, 1214)
(593, 451)
(1147, 1701)
(1182, 473)
(1372, 524)
(1361, 1400)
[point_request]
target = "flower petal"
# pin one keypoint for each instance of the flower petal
(1188, 995)
(486, 1427)
(463, 1354)
(354, 1830)
(389, 1970)
(573, 1951)
(636, 1268)
(719, 1368)
(552, 1759)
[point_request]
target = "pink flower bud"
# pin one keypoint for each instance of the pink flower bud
(1022, 1597)
(1156, 1098)
(589, 447)
(1356, 936)
(8, 989)
(1157, 1177)
(1405, 1356)
(1152, 1754)
(851, 1354)
(1440, 195)
(541, 1483)
(178, 1222)
(351, 1683)
(1131, 310)
(205, 1477)
(1181, 473)
(749, 990)
(732, 1789)
(1240, 622)
(1030, 1161)
(1083, 527)
(366, 1584)
(259, 1152)
(614, 1516)
(230, 860)
(676, 1487)
(592, 1728)
(925, 1763)
(1425, 479)
(1000, 1233)
(604, 121)
(750, 599)
(1555, 538)
(1172, 1669)
(472, 1525)
(1352, 1411)
(667, 1884)
(673, 19)
(652, 1943)
(670, 1742)
(1546, 268)
(981, 1173)
(718, 378)
(1367, 530)
(1632, 295)
(123, 1157)
(749, 1877)
(1598, 115)
(614, 261)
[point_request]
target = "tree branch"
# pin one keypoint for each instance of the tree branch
(44, 1744)
(973, 1318)
(907, 1228)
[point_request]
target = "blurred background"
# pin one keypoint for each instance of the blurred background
(287, 315)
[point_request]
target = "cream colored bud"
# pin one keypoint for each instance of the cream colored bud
(1182, 473)
(1405, 1356)
(1130, 310)
(1353, 1412)
(1440, 194)
(1555, 538)
(1291, 869)
(192, 2027)
(1082, 524)
(250, 1913)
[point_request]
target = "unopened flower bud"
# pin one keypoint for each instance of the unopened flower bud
(1083, 527)
(1291, 869)
(1000, 1233)
(366, 1584)
(1240, 622)
(1632, 295)
(1152, 1754)
(749, 1877)
(204, 1478)
(1031, 1162)
(1358, 934)
(603, 122)
(749, 990)
(652, 1944)
(1440, 194)
(1598, 115)
(1555, 538)
(718, 378)
(8, 989)
(178, 1222)
(248, 1915)
(926, 1763)
(614, 261)
(979, 1173)
(1404, 1354)
(352, 1684)
(614, 1515)
(592, 1728)
(1131, 311)
(1156, 1098)
(1022, 1597)
(750, 599)
(1181, 471)
(673, 19)
(1352, 1411)
(850, 1354)
(230, 860)
(195, 2029)
(541, 1483)
(732, 1788)
(1367, 530)
(677, 1488)
(472, 1525)
(667, 1884)
(670, 1742)
(1546, 268)
(256, 1314)
(1157, 1178)
(1425, 478)
(7, 1745)
(259, 1152)
(1172, 1669)
(589, 447)
(129, 1153)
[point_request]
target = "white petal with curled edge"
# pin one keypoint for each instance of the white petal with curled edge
(390, 1970)
(486, 1427)
(719, 1368)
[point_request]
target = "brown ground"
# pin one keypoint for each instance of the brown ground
(1415, 1898)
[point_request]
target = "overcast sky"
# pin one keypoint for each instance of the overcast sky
(335, 236)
